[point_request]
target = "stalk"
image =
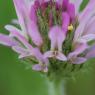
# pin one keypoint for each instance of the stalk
(56, 88)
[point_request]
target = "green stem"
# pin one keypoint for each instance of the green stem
(56, 88)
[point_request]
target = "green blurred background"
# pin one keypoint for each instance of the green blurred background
(16, 79)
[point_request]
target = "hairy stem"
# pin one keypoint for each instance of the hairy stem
(56, 88)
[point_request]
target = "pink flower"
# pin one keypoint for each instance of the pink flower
(51, 30)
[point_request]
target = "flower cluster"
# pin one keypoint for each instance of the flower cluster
(52, 34)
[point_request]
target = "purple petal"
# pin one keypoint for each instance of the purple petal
(16, 33)
(78, 32)
(65, 21)
(29, 3)
(35, 34)
(80, 48)
(82, 26)
(57, 37)
(19, 5)
(44, 5)
(21, 11)
(22, 51)
(61, 39)
(36, 4)
(91, 52)
(71, 11)
(87, 38)
(61, 56)
(6, 40)
(81, 29)
(21, 56)
(11, 28)
(37, 54)
(33, 14)
(61, 2)
(19, 49)
(37, 67)
(65, 4)
(79, 60)
(48, 54)
(40, 57)
(90, 28)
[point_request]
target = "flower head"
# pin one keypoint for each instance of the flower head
(52, 32)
